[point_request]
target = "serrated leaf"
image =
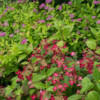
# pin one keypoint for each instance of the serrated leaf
(93, 95)
(14, 78)
(29, 49)
(33, 59)
(18, 91)
(14, 84)
(9, 89)
(54, 37)
(96, 74)
(67, 30)
(38, 78)
(39, 85)
(21, 57)
(98, 51)
(75, 97)
(86, 80)
(71, 63)
(64, 50)
(51, 71)
(91, 44)
(60, 43)
(93, 30)
(48, 83)
(31, 91)
(66, 79)
(86, 85)
(25, 63)
(50, 88)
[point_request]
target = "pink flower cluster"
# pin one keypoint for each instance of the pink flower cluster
(49, 17)
(96, 2)
(48, 1)
(41, 21)
(2, 34)
(24, 41)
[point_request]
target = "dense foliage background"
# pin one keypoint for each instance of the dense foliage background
(50, 50)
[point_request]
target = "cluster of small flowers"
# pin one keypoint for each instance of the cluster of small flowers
(43, 6)
(21, 1)
(57, 78)
(96, 2)
(20, 76)
(87, 63)
(2, 34)
(48, 1)
(6, 10)
(24, 41)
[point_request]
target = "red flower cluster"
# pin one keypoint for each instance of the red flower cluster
(87, 63)
(50, 55)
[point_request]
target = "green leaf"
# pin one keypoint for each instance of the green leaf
(86, 80)
(71, 63)
(93, 95)
(21, 57)
(86, 85)
(48, 83)
(96, 74)
(43, 51)
(77, 68)
(18, 97)
(39, 85)
(51, 71)
(29, 49)
(38, 78)
(50, 88)
(67, 30)
(66, 79)
(14, 84)
(60, 43)
(90, 76)
(33, 59)
(64, 50)
(25, 63)
(98, 85)
(14, 79)
(91, 43)
(31, 91)
(98, 51)
(18, 92)
(54, 37)
(9, 89)
(93, 31)
(75, 97)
